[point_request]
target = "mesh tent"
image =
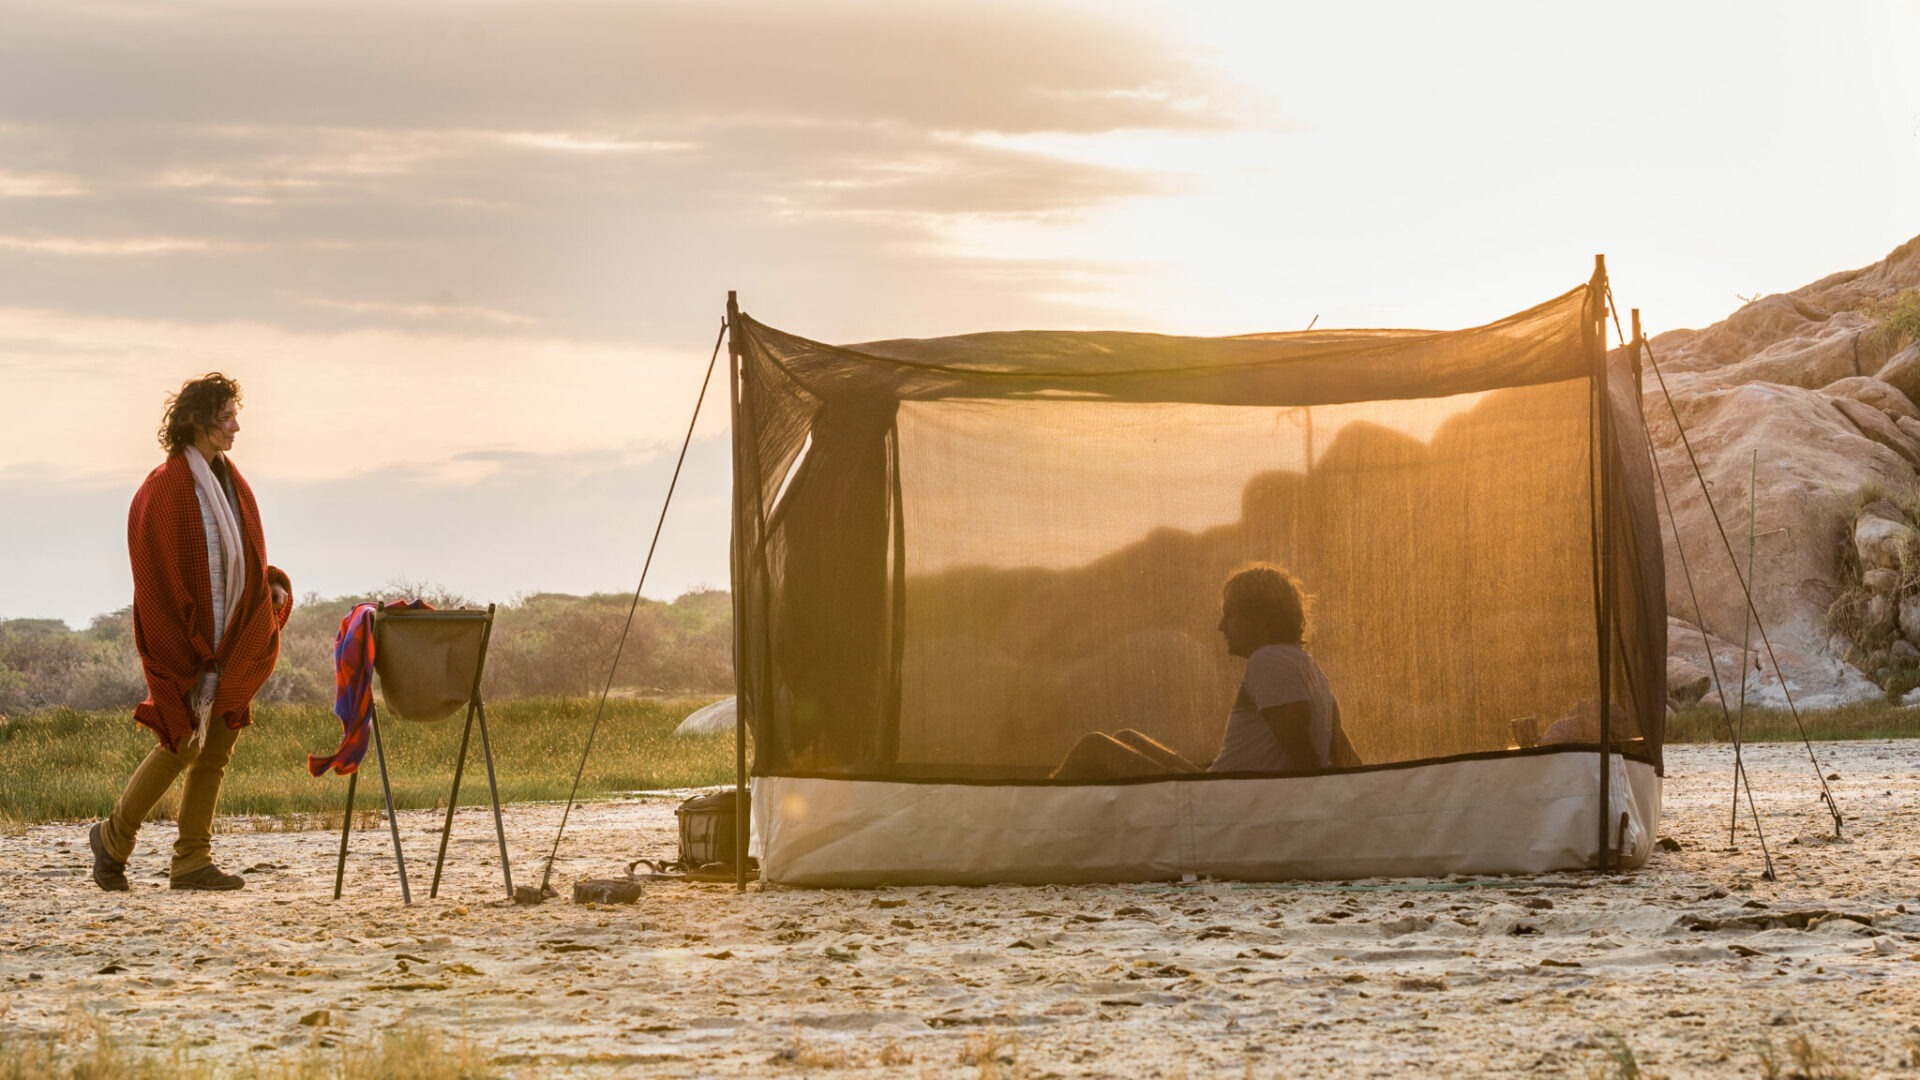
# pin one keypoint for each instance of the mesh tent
(954, 557)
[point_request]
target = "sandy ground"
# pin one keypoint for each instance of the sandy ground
(1695, 960)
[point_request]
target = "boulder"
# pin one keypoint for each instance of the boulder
(1881, 536)
(1880, 580)
(1687, 682)
(1794, 377)
(1876, 392)
(1882, 614)
(713, 719)
(1816, 679)
(1905, 651)
(1909, 428)
(1811, 458)
(1910, 618)
(1879, 427)
(1902, 372)
(1899, 271)
(1778, 339)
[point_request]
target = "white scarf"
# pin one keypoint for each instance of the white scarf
(233, 551)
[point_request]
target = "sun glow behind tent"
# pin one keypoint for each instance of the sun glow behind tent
(954, 557)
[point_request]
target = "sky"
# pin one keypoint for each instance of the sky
(469, 259)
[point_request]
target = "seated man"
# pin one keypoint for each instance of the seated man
(1285, 717)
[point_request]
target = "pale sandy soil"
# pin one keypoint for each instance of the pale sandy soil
(1381, 977)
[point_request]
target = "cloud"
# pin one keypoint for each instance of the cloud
(971, 66)
(44, 185)
(469, 259)
(574, 142)
(121, 246)
(603, 169)
(443, 307)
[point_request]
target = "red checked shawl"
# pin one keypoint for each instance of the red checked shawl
(173, 605)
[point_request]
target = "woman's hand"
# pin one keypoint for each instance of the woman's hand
(280, 597)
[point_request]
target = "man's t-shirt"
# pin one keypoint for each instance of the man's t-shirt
(1278, 675)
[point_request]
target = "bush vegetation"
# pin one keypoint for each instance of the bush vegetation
(547, 644)
(1893, 324)
(1865, 620)
(1899, 322)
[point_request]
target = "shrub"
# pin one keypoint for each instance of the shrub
(1898, 326)
(1857, 615)
(545, 644)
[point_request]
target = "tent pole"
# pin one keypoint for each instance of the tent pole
(1604, 433)
(346, 826)
(742, 831)
(1634, 355)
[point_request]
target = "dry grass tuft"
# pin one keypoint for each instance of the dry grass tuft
(1899, 326)
(84, 1049)
(57, 1055)
(406, 1051)
(1618, 1063)
(800, 1052)
(994, 1053)
(1803, 1061)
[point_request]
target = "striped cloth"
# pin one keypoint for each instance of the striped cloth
(353, 688)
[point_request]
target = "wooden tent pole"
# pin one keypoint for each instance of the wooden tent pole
(741, 825)
(1634, 354)
(1604, 434)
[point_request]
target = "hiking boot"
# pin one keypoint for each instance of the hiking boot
(208, 878)
(108, 872)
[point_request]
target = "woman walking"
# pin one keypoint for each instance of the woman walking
(207, 613)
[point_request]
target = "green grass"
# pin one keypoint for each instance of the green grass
(63, 765)
(1867, 720)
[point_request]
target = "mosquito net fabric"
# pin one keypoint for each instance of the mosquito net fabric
(954, 557)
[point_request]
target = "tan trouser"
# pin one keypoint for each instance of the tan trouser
(205, 767)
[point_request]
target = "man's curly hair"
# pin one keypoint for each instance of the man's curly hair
(1273, 596)
(194, 409)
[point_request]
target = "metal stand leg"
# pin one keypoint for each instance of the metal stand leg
(393, 820)
(453, 800)
(493, 792)
(346, 826)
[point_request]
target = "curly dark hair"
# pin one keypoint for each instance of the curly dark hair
(1273, 596)
(194, 409)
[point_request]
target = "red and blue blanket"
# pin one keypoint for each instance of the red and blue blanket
(353, 688)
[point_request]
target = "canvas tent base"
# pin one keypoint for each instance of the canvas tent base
(1511, 814)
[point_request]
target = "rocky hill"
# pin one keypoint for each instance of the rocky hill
(1813, 393)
